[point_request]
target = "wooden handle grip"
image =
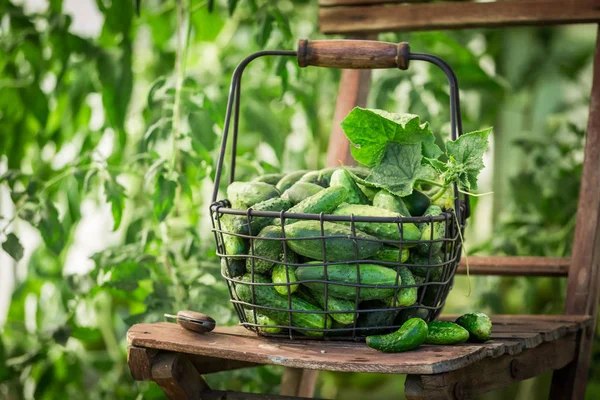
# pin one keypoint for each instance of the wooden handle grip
(353, 54)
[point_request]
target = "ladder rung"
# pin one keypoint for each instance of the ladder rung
(515, 266)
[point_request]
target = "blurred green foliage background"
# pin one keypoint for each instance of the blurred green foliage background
(109, 128)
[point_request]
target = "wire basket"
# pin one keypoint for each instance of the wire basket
(358, 305)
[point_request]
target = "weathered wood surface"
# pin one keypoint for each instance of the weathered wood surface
(177, 377)
(334, 3)
(515, 266)
(583, 286)
(511, 334)
(461, 15)
(492, 373)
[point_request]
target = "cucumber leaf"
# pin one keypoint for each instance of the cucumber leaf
(371, 130)
(465, 158)
(398, 169)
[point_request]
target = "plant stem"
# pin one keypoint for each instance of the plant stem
(439, 194)
(432, 183)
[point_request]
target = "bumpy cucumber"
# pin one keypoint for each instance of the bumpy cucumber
(416, 203)
(321, 177)
(278, 275)
(411, 335)
(287, 181)
(377, 321)
(344, 273)
(240, 223)
(478, 325)
(246, 194)
(324, 201)
(405, 296)
(271, 179)
(370, 192)
(269, 249)
(337, 304)
(443, 332)
(380, 230)
(391, 254)
(267, 296)
(300, 191)
(386, 200)
(341, 177)
(266, 323)
(439, 232)
(234, 245)
(435, 273)
(337, 248)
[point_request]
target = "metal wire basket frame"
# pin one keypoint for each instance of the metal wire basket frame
(439, 270)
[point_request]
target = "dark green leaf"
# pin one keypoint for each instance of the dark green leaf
(51, 229)
(115, 195)
(231, 5)
(283, 24)
(265, 29)
(207, 25)
(164, 196)
(211, 5)
(12, 246)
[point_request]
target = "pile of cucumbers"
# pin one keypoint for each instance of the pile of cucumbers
(266, 257)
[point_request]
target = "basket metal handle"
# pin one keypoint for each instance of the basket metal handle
(353, 54)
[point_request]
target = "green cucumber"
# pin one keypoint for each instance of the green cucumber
(300, 191)
(271, 179)
(345, 273)
(269, 249)
(242, 195)
(336, 304)
(423, 265)
(336, 248)
(320, 177)
(378, 322)
(444, 332)
(234, 245)
(406, 296)
(445, 201)
(240, 222)
(324, 201)
(478, 325)
(288, 180)
(386, 200)
(409, 313)
(391, 254)
(266, 323)
(382, 230)
(416, 203)
(439, 232)
(267, 296)
(279, 275)
(369, 191)
(341, 177)
(411, 335)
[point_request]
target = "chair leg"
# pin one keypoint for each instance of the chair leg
(299, 382)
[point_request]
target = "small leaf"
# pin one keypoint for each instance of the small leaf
(283, 24)
(282, 72)
(115, 195)
(266, 27)
(164, 196)
(51, 229)
(465, 156)
(185, 186)
(12, 246)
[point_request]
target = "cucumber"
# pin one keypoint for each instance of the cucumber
(370, 192)
(240, 222)
(446, 201)
(439, 232)
(324, 201)
(377, 321)
(336, 304)
(234, 245)
(288, 180)
(300, 191)
(279, 275)
(320, 177)
(382, 230)
(406, 296)
(236, 267)
(271, 179)
(409, 313)
(411, 335)
(341, 177)
(246, 194)
(390, 254)
(267, 296)
(344, 273)
(336, 248)
(266, 323)
(416, 203)
(423, 265)
(269, 249)
(443, 332)
(386, 200)
(478, 325)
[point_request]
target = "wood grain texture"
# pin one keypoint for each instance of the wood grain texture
(583, 287)
(511, 334)
(139, 360)
(177, 377)
(336, 3)
(492, 373)
(353, 54)
(515, 266)
(436, 16)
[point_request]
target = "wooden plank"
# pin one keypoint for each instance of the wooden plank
(177, 377)
(299, 382)
(492, 373)
(436, 16)
(583, 287)
(515, 266)
(210, 365)
(322, 355)
(139, 360)
(337, 3)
